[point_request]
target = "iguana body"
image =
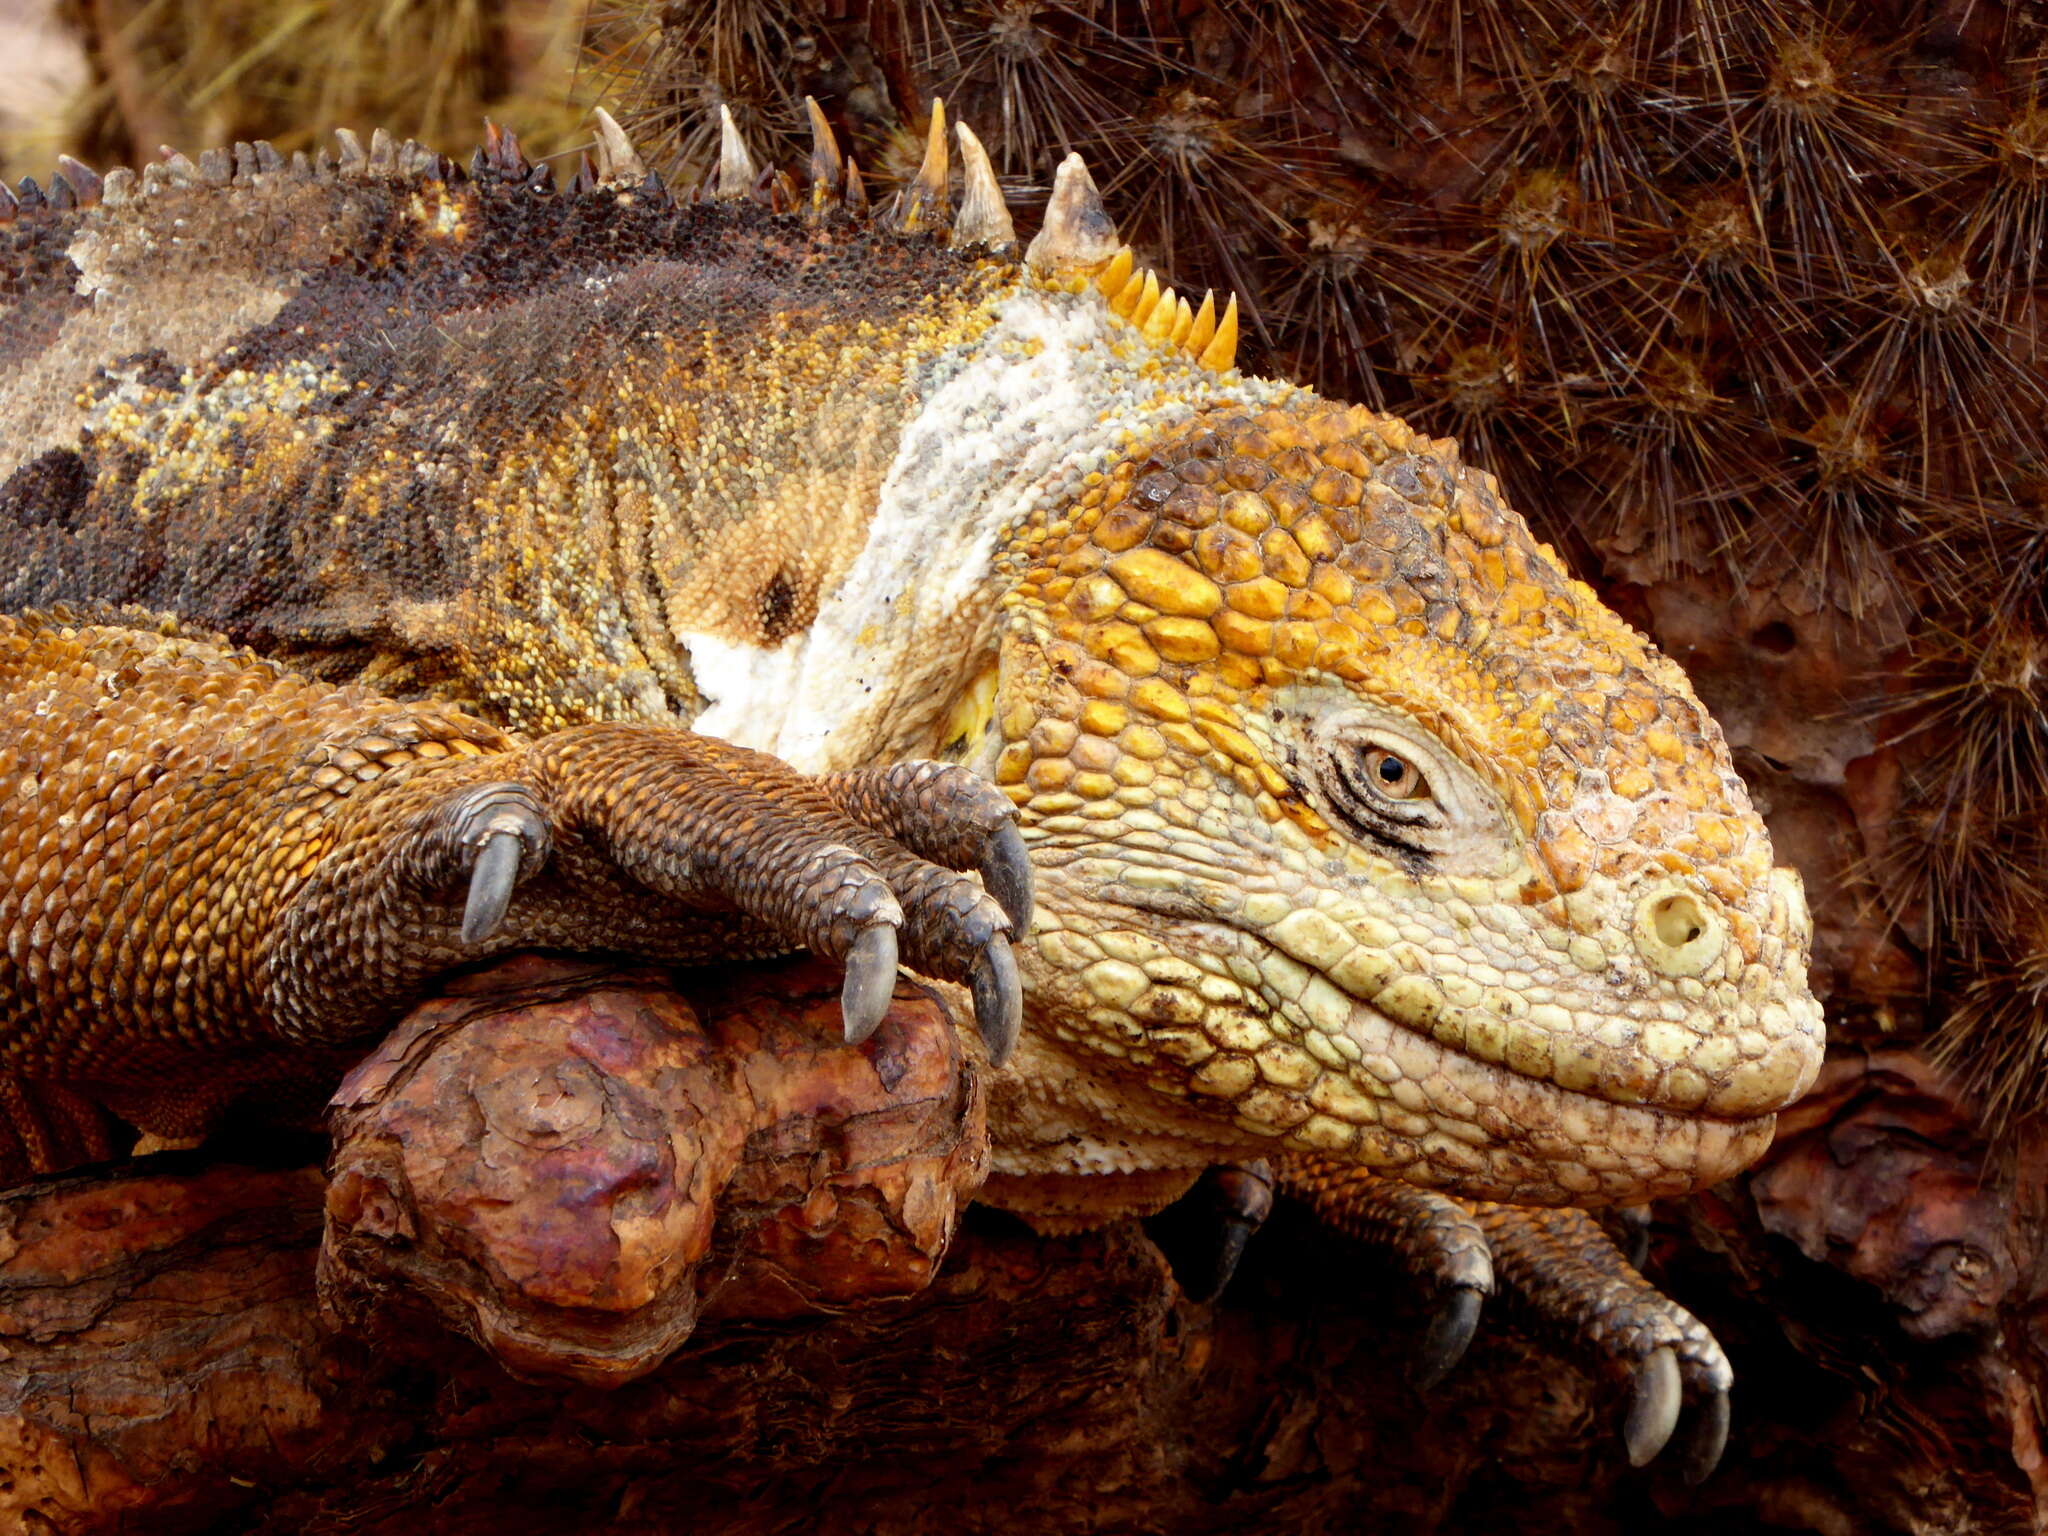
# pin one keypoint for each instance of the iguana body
(1359, 828)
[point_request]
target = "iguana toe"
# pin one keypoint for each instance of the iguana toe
(744, 855)
(1205, 1232)
(1561, 1268)
(490, 886)
(954, 930)
(1006, 872)
(1706, 1437)
(947, 815)
(1243, 1198)
(1436, 1238)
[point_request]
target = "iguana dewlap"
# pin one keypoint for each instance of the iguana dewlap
(1358, 827)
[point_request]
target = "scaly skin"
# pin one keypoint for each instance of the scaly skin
(1512, 1009)
(1361, 831)
(208, 859)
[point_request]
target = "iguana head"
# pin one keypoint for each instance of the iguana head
(1362, 824)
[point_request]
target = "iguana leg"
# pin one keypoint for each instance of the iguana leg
(1557, 1267)
(206, 861)
(1561, 1267)
(716, 828)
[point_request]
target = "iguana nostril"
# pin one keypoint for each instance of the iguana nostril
(1677, 934)
(1678, 920)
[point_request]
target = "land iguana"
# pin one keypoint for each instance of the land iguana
(408, 563)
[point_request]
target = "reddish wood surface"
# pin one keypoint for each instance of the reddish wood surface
(571, 1165)
(165, 1366)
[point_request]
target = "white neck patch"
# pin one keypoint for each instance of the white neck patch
(1010, 421)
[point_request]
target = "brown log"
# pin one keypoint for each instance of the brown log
(166, 1368)
(570, 1164)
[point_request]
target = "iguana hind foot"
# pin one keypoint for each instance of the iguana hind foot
(1562, 1269)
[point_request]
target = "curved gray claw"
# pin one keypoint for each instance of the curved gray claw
(502, 829)
(998, 999)
(1006, 875)
(1653, 1406)
(491, 882)
(1705, 1439)
(1245, 1191)
(1242, 1197)
(1230, 1246)
(870, 981)
(1449, 1335)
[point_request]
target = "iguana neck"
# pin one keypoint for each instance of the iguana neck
(1008, 427)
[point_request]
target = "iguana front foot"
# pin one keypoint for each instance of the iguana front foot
(661, 842)
(1559, 1269)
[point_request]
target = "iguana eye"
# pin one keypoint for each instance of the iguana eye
(1385, 780)
(1393, 776)
(1379, 792)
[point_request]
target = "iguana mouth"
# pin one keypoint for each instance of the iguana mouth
(1436, 1115)
(1289, 1053)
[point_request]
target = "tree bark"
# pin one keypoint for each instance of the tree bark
(167, 1368)
(571, 1164)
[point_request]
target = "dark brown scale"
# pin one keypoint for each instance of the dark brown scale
(51, 490)
(785, 608)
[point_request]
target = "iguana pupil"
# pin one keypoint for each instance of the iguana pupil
(1398, 779)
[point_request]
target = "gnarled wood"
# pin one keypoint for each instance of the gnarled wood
(166, 1371)
(571, 1164)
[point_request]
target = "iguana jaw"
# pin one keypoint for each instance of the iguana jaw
(1241, 1007)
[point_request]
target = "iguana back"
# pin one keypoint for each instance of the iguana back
(564, 456)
